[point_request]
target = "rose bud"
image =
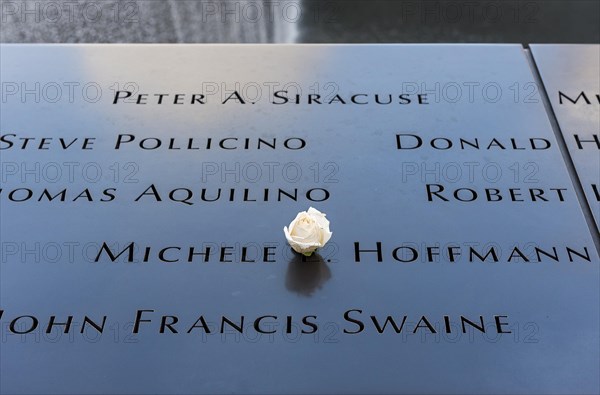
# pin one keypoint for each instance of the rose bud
(308, 231)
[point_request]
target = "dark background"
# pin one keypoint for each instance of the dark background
(304, 21)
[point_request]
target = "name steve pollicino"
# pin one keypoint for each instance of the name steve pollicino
(14, 141)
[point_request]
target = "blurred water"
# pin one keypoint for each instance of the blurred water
(310, 21)
(150, 21)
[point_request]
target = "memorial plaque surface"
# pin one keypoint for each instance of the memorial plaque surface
(571, 75)
(452, 213)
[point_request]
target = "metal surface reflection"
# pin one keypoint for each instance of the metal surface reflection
(571, 74)
(306, 275)
(452, 209)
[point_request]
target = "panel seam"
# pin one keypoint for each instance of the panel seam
(562, 145)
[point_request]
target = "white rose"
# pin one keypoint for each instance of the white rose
(308, 231)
